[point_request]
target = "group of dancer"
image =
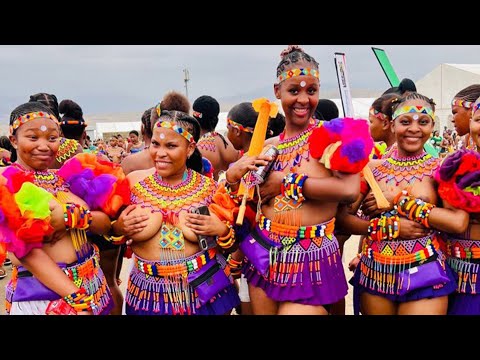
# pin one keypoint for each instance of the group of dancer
(179, 203)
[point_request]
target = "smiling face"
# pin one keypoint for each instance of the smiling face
(299, 96)
(170, 151)
(461, 119)
(412, 130)
(37, 143)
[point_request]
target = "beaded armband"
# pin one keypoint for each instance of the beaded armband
(227, 241)
(80, 300)
(413, 208)
(235, 266)
(386, 227)
(76, 216)
(292, 186)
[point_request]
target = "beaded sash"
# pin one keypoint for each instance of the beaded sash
(463, 256)
(67, 148)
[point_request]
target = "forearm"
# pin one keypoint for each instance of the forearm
(453, 221)
(333, 189)
(100, 223)
(48, 273)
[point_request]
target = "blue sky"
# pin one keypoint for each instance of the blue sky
(121, 78)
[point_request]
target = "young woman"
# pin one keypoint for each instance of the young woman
(172, 274)
(293, 262)
(402, 267)
(44, 223)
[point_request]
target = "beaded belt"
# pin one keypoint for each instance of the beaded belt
(160, 270)
(463, 249)
(298, 232)
(86, 269)
(430, 249)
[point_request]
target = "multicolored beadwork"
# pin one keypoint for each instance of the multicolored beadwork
(29, 117)
(178, 129)
(48, 180)
(397, 170)
(462, 103)
(67, 149)
(239, 126)
(413, 109)
(298, 72)
(207, 142)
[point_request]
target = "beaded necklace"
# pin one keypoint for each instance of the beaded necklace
(47, 180)
(67, 148)
(207, 142)
(159, 196)
(408, 169)
(293, 150)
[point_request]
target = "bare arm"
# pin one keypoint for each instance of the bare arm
(100, 223)
(449, 219)
(339, 188)
(48, 273)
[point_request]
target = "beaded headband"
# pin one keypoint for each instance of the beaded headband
(379, 115)
(462, 103)
(197, 114)
(475, 108)
(240, 126)
(413, 109)
(23, 119)
(298, 72)
(73, 122)
(178, 129)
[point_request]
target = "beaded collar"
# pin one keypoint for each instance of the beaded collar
(409, 169)
(67, 148)
(207, 142)
(48, 179)
(295, 148)
(159, 196)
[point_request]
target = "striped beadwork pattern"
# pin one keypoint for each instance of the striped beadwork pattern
(463, 256)
(298, 72)
(67, 148)
(207, 142)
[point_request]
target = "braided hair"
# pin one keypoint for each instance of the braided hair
(383, 104)
(48, 100)
(147, 122)
(292, 55)
(396, 102)
(470, 93)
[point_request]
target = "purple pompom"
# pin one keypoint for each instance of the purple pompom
(354, 151)
(471, 179)
(335, 125)
(450, 165)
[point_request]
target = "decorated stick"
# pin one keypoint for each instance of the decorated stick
(265, 110)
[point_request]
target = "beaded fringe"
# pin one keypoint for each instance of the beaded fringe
(97, 286)
(287, 266)
(467, 274)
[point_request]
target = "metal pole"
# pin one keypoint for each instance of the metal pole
(186, 79)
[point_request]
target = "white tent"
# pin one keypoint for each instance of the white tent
(443, 82)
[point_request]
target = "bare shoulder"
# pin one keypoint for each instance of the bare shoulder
(272, 141)
(138, 175)
(372, 164)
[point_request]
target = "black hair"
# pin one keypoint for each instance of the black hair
(326, 110)
(206, 110)
(470, 93)
(383, 104)
(244, 114)
(406, 85)
(275, 126)
(147, 123)
(24, 109)
(190, 124)
(292, 55)
(72, 122)
(173, 100)
(48, 100)
(135, 132)
(411, 96)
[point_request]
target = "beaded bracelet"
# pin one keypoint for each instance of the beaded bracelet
(80, 300)
(234, 265)
(227, 241)
(115, 240)
(386, 227)
(415, 209)
(76, 216)
(292, 186)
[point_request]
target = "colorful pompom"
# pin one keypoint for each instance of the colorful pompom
(342, 144)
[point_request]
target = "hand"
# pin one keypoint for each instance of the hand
(410, 230)
(208, 225)
(57, 216)
(129, 224)
(352, 265)
(272, 186)
(246, 163)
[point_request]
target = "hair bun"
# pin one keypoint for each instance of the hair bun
(290, 49)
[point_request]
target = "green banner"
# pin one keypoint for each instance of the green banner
(387, 67)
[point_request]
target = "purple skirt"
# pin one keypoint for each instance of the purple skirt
(466, 300)
(428, 292)
(159, 295)
(310, 272)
